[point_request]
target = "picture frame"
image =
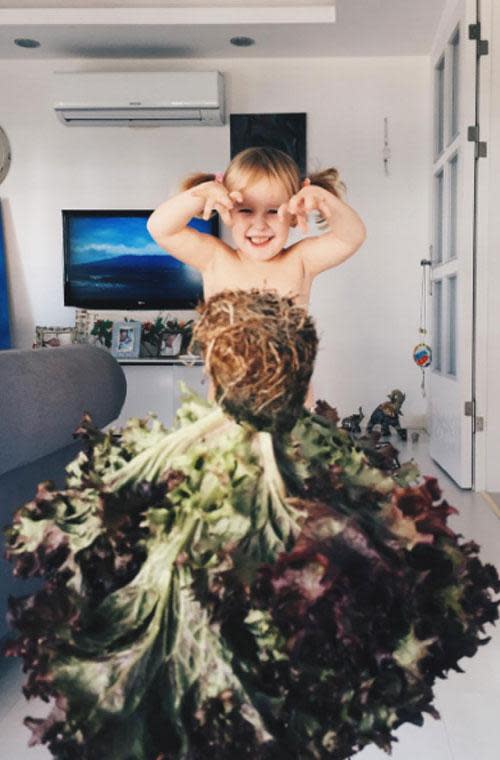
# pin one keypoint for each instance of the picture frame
(284, 131)
(53, 337)
(171, 344)
(126, 340)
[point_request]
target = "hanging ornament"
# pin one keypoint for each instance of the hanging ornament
(386, 151)
(422, 353)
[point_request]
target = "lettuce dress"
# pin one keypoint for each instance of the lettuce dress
(252, 582)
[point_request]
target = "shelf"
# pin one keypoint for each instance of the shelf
(164, 361)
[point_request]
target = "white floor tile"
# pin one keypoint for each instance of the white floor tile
(427, 742)
(14, 736)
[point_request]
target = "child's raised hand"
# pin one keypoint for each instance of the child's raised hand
(309, 198)
(215, 197)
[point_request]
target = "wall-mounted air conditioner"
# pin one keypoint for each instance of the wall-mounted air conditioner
(135, 99)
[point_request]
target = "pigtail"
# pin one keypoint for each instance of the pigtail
(329, 179)
(196, 179)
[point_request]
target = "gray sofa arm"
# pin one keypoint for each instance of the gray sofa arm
(44, 393)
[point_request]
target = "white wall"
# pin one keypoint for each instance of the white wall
(367, 310)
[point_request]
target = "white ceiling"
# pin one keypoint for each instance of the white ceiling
(202, 28)
(161, 3)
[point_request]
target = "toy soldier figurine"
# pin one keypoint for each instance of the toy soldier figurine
(387, 415)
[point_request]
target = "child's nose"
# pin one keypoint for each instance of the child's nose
(261, 221)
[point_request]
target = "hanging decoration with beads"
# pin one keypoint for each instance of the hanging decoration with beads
(386, 151)
(422, 353)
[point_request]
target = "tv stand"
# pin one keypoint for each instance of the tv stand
(153, 385)
(163, 360)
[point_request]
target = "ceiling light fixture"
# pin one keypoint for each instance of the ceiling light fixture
(26, 42)
(242, 41)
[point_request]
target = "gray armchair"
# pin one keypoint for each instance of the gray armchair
(43, 395)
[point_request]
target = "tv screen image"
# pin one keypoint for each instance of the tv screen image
(112, 262)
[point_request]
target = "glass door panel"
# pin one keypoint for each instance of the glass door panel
(452, 230)
(437, 326)
(438, 218)
(451, 352)
(455, 83)
(439, 106)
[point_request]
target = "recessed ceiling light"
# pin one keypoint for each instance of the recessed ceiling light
(25, 42)
(242, 41)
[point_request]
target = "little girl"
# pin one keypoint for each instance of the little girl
(260, 196)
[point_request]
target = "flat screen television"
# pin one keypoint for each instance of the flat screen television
(112, 262)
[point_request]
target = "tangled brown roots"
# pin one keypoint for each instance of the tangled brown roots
(259, 349)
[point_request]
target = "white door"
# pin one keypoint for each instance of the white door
(451, 376)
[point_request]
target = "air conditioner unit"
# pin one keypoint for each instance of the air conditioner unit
(136, 99)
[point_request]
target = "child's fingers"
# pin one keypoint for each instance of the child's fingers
(293, 204)
(313, 201)
(302, 205)
(207, 210)
(224, 203)
(224, 199)
(283, 212)
(214, 201)
(236, 195)
(224, 214)
(302, 221)
(310, 204)
(325, 210)
(221, 196)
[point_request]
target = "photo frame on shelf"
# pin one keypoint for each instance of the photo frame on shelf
(126, 340)
(171, 344)
(53, 337)
(81, 325)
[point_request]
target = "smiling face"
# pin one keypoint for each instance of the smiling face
(257, 232)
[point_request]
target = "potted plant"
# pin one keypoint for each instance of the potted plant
(102, 332)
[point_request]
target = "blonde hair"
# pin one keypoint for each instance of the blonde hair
(252, 164)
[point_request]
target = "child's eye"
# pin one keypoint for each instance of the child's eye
(273, 211)
(245, 211)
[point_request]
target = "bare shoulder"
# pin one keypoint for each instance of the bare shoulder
(324, 252)
(293, 252)
(223, 258)
(221, 254)
(294, 255)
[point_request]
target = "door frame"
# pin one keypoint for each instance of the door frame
(480, 378)
(479, 346)
(451, 431)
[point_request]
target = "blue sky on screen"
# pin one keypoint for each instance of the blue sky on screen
(94, 238)
(105, 237)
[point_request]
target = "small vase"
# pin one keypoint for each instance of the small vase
(149, 350)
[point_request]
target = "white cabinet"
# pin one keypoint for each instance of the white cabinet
(153, 387)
